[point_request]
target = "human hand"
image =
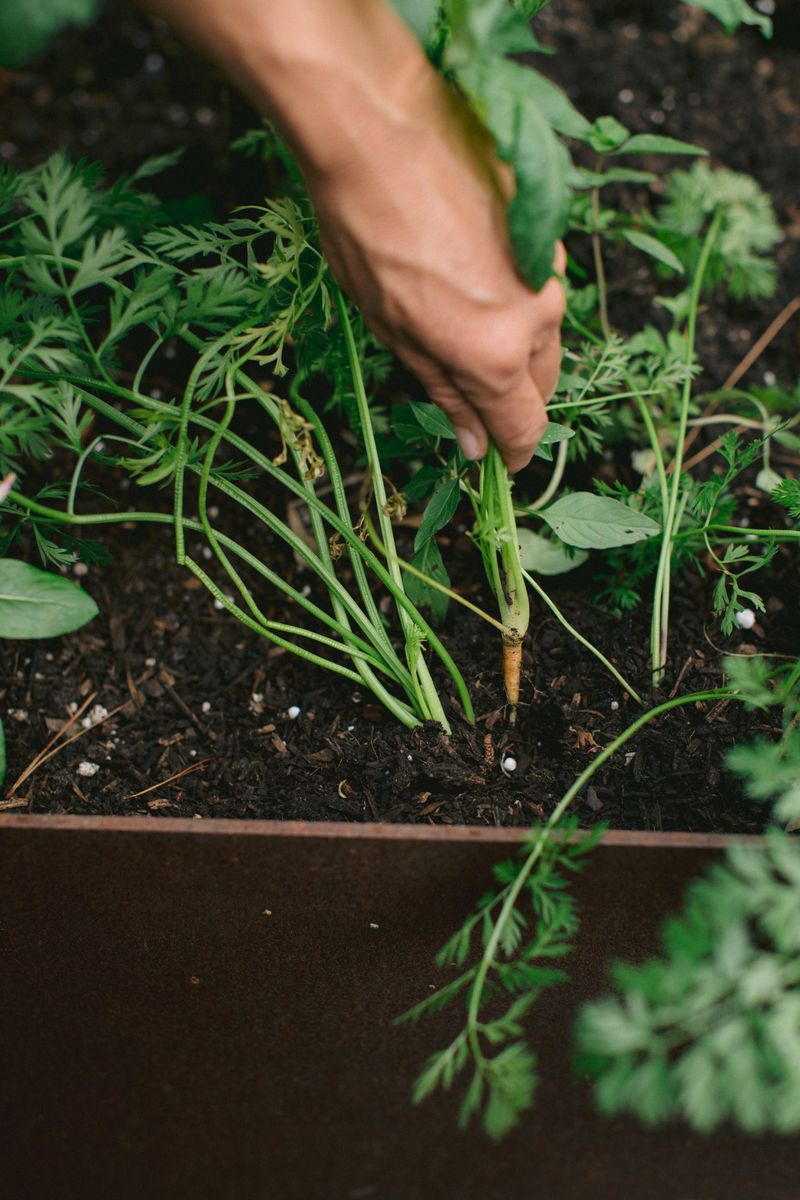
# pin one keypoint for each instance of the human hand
(411, 201)
(416, 234)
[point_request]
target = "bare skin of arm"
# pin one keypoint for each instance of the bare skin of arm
(410, 197)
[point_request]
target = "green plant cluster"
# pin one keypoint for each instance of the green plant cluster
(184, 356)
(523, 926)
(710, 1032)
(95, 279)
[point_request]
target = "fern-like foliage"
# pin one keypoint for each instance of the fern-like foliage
(518, 931)
(733, 13)
(748, 233)
(711, 1030)
(770, 770)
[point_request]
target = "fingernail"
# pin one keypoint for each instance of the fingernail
(470, 446)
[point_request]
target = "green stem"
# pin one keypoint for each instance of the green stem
(428, 696)
(344, 528)
(597, 252)
(553, 485)
(660, 627)
(779, 535)
(342, 508)
(517, 608)
(257, 626)
(515, 888)
(434, 583)
(361, 647)
(580, 638)
(280, 528)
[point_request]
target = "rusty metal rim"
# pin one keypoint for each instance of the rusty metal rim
(348, 832)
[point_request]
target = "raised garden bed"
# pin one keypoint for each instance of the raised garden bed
(196, 938)
(166, 1035)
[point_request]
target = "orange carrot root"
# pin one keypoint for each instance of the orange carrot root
(512, 672)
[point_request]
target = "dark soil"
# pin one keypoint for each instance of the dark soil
(196, 696)
(199, 722)
(668, 68)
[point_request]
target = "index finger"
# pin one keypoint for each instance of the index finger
(515, 422)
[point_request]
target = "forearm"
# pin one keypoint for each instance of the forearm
(410, 198)
(337, 76)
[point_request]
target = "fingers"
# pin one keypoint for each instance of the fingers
(515, 422)
(504, 392)
(545, 367)
(470, 430)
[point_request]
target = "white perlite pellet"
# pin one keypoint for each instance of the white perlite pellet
(98, 713)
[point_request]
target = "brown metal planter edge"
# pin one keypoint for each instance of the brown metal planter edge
(203, 1008)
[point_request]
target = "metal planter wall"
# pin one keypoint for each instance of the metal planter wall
(203, 1010)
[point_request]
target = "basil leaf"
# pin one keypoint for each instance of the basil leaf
(537, 215)
(656, 143)
(428, 560)
(553, 434)
(541, 556)
(432, 419)
(597, 522)
(653, 247)
(38, 604)
(441, 507)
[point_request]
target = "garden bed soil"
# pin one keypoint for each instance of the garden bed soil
(202, 723)
(199, 708)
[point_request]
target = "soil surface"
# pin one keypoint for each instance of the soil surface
(668, 68)
(198, 709)
(201, 721)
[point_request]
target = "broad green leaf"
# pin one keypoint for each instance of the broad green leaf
(432, 419)
(26, 26)
(486, 28)
(541, 556)
(607, 134)
(556, 107)
(38, 604)
(428, 560)
(597, 522)
(441, 507)
(502, 97)
(553, 434)
(653, 247)
(733, 13)
(422, 483)
(656, 143)
(582, 177)
(420, 15)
